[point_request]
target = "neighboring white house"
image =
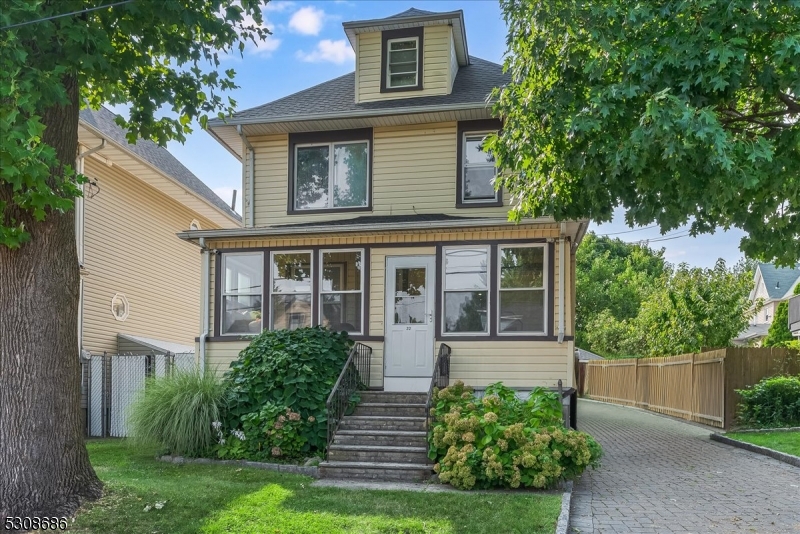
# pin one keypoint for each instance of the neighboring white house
(772, 285)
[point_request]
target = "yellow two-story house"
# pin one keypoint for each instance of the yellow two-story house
(370, 207)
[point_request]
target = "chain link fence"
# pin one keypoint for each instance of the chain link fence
(112, 382)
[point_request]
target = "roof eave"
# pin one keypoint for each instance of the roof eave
(168, 176)
(332, 229)
(381, 112)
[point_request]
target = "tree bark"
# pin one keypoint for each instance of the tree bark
(44, 465)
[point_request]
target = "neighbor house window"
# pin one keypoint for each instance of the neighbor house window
(466, 290)
(120, 307)
(341, 291)
(522, 296)
(290, 301)
(331, 175)
(478, 170)
(242, 293)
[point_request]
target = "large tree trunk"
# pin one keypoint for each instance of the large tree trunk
(44, 466)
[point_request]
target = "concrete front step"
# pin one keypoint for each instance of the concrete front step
(391, 438)
(377, 453)
(392, 397)
(380, 422)
(382, 471)
(389, 409)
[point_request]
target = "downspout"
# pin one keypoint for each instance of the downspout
(80, 240)
(561, 291)
(204, 306)
(251, 189)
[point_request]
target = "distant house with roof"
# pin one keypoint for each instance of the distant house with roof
(771, 286)
(139, 282)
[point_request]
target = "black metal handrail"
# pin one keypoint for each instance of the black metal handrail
(440, 379)
(354, 376)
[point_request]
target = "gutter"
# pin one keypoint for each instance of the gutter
(407, 110)
(251, 188)
(561, 292)
(80, 239)
(323, 228)
(204, 304)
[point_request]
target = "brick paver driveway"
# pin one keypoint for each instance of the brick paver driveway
(663, 475)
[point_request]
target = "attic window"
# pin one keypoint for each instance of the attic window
(401, 63)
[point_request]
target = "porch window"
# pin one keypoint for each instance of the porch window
(522, 296)
(331, 175)
(242, 293)
(466, 290)
(341, 291)
(290, 300)
(478, 171)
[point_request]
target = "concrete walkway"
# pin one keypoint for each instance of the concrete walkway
(663, 475)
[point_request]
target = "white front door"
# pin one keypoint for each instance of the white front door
(409, 337)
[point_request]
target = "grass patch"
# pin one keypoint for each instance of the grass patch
(217, 499)
(788, 442)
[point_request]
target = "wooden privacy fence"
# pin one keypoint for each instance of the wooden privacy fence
(697, 387)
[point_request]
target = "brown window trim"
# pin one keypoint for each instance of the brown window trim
(419, 33)
(463, 128)
(266, 311)
(332, 136)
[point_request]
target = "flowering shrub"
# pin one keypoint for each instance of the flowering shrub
(277, 389)
(501, 441)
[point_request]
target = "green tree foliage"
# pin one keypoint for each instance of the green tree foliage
(151, 55)
(679, 111)
(779, 334)
(162, 58)
(687, 309)
(613, 278)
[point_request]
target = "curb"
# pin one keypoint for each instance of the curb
(562, 527)
(777, 455)
(282, 468)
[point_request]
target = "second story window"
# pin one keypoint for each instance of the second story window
(476, 167)
(331, 171)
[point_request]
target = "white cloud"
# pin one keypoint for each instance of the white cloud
(333, 51)
(225, 193)
(307, 20)
(279, 6)
(263, 48)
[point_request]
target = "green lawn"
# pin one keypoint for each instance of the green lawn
(215, 499)
(788, 442)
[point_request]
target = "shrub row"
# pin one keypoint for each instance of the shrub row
(773, 402)
(502, 441)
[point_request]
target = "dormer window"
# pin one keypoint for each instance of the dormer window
(401, 61)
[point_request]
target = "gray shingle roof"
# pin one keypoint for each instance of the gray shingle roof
(778, 280)
(103, 120)
(413, 12)
(382, 219)
(472, 86)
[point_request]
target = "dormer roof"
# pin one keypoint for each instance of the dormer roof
(412, 18)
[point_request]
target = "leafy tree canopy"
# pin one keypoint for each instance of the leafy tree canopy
(779, 334)
(679, 111)
(152, 55)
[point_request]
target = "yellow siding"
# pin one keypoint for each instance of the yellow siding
(437, 49)
(413, 171)
(220, 355)
(131, 248)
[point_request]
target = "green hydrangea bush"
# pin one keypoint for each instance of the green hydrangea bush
(277, 389)
(502, 441)
(773, 402)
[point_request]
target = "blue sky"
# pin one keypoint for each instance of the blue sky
(308, 46)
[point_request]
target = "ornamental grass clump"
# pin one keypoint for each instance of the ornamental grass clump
(176, 413)
(502, 441)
